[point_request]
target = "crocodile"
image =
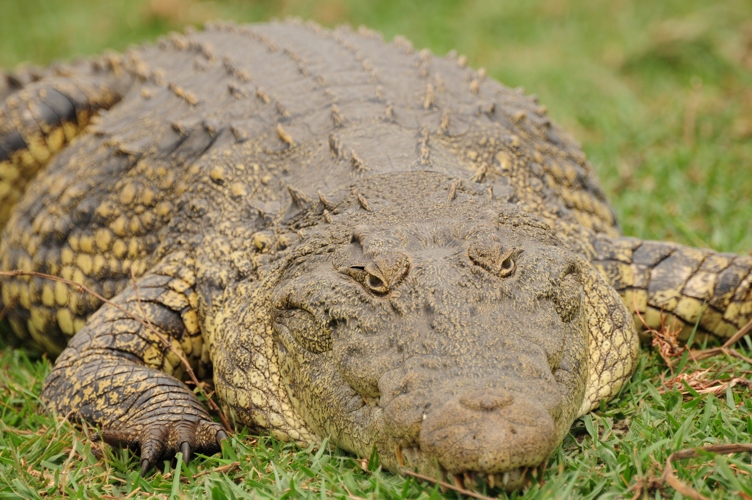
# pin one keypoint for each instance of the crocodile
(347, 238)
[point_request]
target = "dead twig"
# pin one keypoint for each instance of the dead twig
(738, 335)
(670, 478)
(351, 496)
(446, 485)
(725, 348)
(665, 340)
(134, 492)
(222, 469)
(698, 382)
(646, 484)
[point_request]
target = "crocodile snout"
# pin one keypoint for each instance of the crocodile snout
(488, 431)
(479, 425)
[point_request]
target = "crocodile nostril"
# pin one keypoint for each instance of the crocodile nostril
(486, 401)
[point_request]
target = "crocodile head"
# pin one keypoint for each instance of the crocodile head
(451, 336)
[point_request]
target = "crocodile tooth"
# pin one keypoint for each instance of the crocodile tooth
(505, 479)
(399, 456)
(491, 480)
(457, 481)
(444, 481)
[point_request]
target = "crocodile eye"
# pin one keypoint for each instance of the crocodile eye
(507, 266)
(380, 276)
(375, 283)
(366, 276)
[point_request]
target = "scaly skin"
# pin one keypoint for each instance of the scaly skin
(352, 239)
(42, 110)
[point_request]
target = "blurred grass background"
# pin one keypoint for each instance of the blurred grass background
(659, 93)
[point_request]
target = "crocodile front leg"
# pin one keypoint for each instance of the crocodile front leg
(120, 373)
(656, 278)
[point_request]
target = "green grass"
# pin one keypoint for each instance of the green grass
(659, 94)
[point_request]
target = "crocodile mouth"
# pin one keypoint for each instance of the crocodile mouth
(485, 438)
(474, 481)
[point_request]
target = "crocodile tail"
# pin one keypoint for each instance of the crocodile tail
(678, 286)
(42, 110)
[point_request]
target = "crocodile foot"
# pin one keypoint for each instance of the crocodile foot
(162, 439)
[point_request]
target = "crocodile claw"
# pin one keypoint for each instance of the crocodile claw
(145, 466)
(185, 449)
(163, 440)
(221, 436)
